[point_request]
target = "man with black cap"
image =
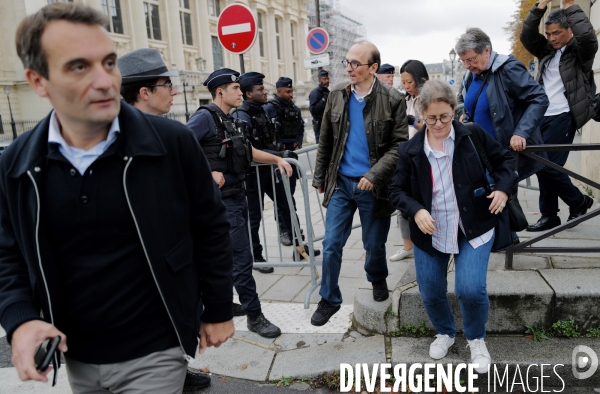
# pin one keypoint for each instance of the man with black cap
(386, 74)
(146, 84)
(229, 155)
(289, 128)
(261, 133)
(146, 81)
(317, 100)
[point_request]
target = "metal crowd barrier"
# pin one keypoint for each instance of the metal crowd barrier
(525, 246)
(284, 261)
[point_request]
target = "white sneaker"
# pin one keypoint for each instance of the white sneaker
(480, 355)
(439, 348)
(402, 254)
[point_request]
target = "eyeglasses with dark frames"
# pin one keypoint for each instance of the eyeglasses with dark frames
(354, 64)
(168, 85)
(432, 120)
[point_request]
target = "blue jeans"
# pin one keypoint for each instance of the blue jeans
(470, 287)
(338, 225)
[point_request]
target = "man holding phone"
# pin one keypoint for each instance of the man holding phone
(113, 234)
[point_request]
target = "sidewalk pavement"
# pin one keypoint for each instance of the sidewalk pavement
(305, 351)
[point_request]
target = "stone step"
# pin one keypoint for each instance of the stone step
(519, 357)
(517, 298)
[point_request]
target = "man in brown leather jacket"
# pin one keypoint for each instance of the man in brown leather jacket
(363, 124)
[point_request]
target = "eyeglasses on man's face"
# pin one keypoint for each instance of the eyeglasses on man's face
(168, 85)
(468, 61)
(354, 64)
(432, 120)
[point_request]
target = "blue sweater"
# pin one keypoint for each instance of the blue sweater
(355, 161)
(482, 115)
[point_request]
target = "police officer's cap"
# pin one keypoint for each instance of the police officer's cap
(386, 69)
(221, 77)
(283, 82)
(323, 73)
(251, 78)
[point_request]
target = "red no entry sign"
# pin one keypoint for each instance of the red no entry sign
(317, 40)
(236, 28)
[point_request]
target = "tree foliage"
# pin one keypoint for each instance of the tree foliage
(514, 27)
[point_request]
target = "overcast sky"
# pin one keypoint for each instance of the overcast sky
(427, 30)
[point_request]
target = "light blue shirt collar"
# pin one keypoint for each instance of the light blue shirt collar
(360, 98)
(427, 148)
(80, 158)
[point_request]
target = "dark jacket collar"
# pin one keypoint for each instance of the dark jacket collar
(415, 145)
(140, 139)
(323, 88)
(284, 103)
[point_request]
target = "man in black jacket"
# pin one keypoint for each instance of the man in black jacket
(566, 57)
(113, 234)
(317, 100)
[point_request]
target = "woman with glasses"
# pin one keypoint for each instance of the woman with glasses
(414, 75)
(440, 188)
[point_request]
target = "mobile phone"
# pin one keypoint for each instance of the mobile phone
(479, 192)
(44, 353)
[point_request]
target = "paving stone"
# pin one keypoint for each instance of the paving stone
(310, 362)
(299, 341)
(574, 262)
(249, 336)
(265, 282)
(285, 289)
(10, 383)
(229, 360)
(570, 243)
(576, 294)
(520, 262)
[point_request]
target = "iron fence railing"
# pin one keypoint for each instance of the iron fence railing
(525, 246)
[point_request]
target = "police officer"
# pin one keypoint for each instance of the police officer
(386, 74)
(317, 100)
(261, 133)
(289, 130)
(229, 155)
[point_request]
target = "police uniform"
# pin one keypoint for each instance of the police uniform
(289, 125)
(316, 105)
(228, 151)
(261, 133)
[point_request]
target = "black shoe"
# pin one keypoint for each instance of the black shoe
(316, 251)
(238, 310)
(262, 270)
(284, 238)
(323, 313)
(263, 327)
(380, 290)
(196, 380)
(582, 209)
(545, 223)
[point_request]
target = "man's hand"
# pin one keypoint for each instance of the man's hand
(424, 221)
(214, 334)
(518, 143)
(320, 190)
(219, 178)
(25, 340)
(543, 3)
(364, 184)
(285, 167)
(568, 3)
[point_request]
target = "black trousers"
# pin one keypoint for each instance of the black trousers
(558, 129)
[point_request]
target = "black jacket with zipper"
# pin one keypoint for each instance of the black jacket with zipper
(177, 208)
(411, 189)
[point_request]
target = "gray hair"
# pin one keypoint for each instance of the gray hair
(558, 16)
(473, 40)
(435, 91)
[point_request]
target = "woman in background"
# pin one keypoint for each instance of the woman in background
(413, 74)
